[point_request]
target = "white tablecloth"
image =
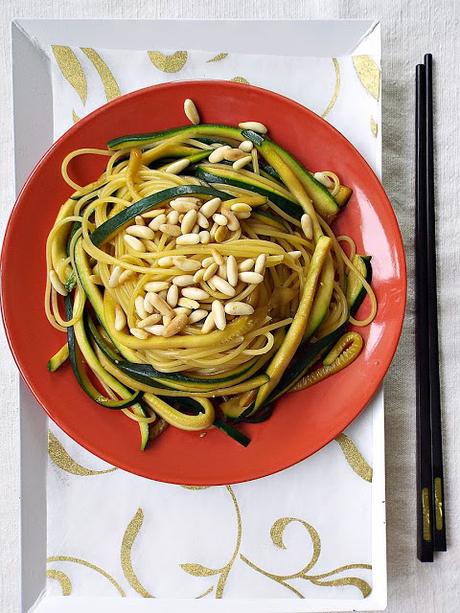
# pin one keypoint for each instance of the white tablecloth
(409, 29)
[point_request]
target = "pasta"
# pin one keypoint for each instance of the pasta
(194, 269)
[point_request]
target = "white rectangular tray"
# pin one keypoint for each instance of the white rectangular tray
(33, 130)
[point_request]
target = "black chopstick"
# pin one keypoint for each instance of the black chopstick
(439, 523)
(423, 417)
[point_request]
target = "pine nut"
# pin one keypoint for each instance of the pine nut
(215, 145)
(202, 220)
(165, 262)
(211, 284)
(218, 259)
(255, 126)
(156, 223)
(246, 146)
(232, 271)
(223, 286)
(252, 278)
(246, 265)
(139, 333)
(115, 275)
(163, 294)
(205, 262)
(148, 306)
(167, 319)
(220, 219)
(176, 167)
(204, 237)
(134, 243)
(183, 204)
(231, 155)
(156, 330)
(188, 239)
(150, 245)
(239, 308)
(218, 154)
(173, 218)
(156, 286)
(198, 276)
(183, 280)
(191, 112)
(178, 310)
(195, 229)
(222, 271)
(260, 263)
(210, 207)
(197, 315)
(168, 228)
(243, 215)
(139, 220)
(188, 303)
(208, 325)
(307, 226)
(153, 213)
(172, 296)
(241, 207)
(219, 314)
(120, 318)
(210, 271)
(295, 254)
(125, 275)
(139, 307)
(213, 230)
(188, 222)
(242, 162)
(221, 234)
(159, 303)
(148, 321)
(188, 265)
(232, 221)
(178, 323)
(140, 232)
(194, 293)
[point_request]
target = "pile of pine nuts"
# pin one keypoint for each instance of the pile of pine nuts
(167, 307)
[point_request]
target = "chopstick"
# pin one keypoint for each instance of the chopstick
(431, 535)
(433, 346)
(423, 418)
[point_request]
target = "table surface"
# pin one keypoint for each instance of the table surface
(409, 29)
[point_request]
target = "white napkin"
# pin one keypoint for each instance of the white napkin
(306, 532)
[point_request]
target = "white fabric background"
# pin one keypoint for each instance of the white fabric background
(408, 30)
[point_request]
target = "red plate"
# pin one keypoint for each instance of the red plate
(303, 422)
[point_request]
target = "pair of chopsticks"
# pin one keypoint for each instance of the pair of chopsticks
(431, 520)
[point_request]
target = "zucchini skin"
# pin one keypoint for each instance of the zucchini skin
(113, 225)
(291, 208)
(82, 379)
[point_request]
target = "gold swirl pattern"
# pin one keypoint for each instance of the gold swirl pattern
(239, 79)
(71, 70)
(198, 570)
(62, 459)
(368, 73)
(277, 532)
(335, 93)
(58, 575)
(168, 63)
(111, 88)
(374, 127)
(97, 569)
(75, 117)
(218, 57)
(354, 457)
(129, 537)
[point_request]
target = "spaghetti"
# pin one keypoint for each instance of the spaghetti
(193, 273)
